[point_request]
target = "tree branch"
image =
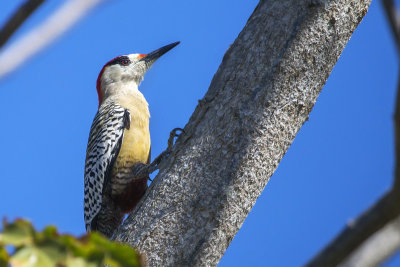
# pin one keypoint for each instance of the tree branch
(357, 239)
(38, 38)
(259, 98)
(357, 233)
(396, 121)
(393, 17)
(378, 248)
(23, 12)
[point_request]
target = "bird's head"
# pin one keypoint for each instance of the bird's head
(126, 71)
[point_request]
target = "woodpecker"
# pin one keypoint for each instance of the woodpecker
(117, 165)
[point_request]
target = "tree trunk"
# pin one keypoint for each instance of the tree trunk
(259, 98)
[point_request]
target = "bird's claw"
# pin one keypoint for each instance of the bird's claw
(165, 154)
(172, 136)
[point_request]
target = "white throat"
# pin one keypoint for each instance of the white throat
(120, 88)
(127, 95)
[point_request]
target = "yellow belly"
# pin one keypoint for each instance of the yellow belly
(126, 188)
(135, 145)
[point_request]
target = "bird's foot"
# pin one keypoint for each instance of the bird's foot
(155, 165)
(141, 170)
(172, 135)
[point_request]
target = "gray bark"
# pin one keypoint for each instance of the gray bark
(259, 98)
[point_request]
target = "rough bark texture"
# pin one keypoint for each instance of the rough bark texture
(259, 98)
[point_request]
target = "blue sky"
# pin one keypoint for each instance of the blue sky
(339, 164)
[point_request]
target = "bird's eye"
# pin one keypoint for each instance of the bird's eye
(124, 62)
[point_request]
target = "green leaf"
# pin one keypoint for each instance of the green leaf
(48, 248)
(3, 257)
(125, 255)
(116, 254)
(17, 233)
(54, 253)
(50, 231)
(80, 262)
(30, 256)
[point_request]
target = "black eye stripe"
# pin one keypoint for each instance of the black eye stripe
(122, 60)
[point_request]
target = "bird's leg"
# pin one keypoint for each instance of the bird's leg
(143, 170)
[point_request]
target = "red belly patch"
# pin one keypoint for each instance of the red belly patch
(128, 200)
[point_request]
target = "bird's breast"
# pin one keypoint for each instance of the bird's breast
(135, 145)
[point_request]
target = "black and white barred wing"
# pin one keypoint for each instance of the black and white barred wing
(105, 140)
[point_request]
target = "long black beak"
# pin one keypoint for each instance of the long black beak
(153, 56)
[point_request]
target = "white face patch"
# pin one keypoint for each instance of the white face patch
(135, 57)
(123, 75)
